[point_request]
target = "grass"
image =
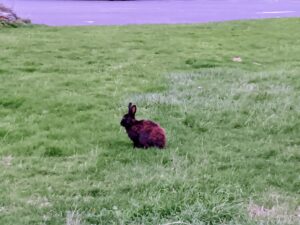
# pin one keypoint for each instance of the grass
(232, 127)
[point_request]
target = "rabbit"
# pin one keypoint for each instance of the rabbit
(143, 133)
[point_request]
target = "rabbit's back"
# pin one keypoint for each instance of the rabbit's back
(150, 134)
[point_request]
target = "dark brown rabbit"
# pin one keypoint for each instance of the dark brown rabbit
(143, 133)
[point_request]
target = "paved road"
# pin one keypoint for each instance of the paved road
(85, 12)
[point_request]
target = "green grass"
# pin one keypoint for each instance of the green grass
(233, 127)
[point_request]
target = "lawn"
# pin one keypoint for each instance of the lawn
(233, 127)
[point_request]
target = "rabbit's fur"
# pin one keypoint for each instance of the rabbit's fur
(143, 133)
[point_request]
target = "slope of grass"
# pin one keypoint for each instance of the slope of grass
(233, 127)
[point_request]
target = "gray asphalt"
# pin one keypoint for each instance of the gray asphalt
(79, 12)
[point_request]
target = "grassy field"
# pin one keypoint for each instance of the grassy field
(233, 127)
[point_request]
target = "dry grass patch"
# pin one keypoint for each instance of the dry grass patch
(7, 161)
(275, 209)
(73, 218)
(39, 201)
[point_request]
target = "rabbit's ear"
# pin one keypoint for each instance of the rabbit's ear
(133, 110)
(129, 106)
